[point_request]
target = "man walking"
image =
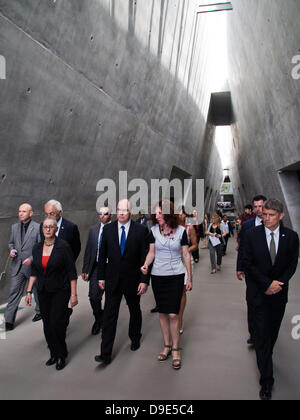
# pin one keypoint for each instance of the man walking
(122, 254)
(258, 203)
(89, 269)
(67, 231)
(24, 235)
(270, 260)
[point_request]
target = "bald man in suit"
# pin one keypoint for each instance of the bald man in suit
(24, 235)
(123, 251)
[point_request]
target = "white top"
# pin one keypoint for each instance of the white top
(168, 261)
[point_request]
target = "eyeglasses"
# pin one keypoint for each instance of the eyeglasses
(49, 227)
(50, 214)
(102, 213)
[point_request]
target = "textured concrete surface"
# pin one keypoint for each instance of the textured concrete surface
(217, 363)
(94, 87)
(263, 38)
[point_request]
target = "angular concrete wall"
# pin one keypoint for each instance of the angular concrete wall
(94, 87)
(263, 38)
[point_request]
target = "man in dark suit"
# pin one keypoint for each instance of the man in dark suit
(89, 269)
(258, 202)
(270, 259)
(123, 250)
(67, 231)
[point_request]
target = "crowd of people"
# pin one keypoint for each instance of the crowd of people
(121, 257)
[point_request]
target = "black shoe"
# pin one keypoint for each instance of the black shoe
(265, 393)
(154, 310)
(60, 364)
(250, 341)
(135, 345)
(37, 317)
(9, 326)
(96, 328)
(51, 361)
(102, 360)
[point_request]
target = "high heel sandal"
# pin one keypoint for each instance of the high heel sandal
(176, 363)
(164, 357)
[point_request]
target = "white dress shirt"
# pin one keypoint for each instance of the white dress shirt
(58, 225)
(127, 226)
(258, 221)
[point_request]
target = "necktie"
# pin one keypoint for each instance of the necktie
(123, 240)
(99, 245)
(272, 248)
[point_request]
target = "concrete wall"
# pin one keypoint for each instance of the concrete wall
(263, 38)
(94, 87)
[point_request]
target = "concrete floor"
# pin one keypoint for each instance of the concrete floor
(217, 363)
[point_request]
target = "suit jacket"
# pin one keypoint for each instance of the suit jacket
(91, 249)
(258, 265)
(69, 232)
(24, 250)
(112, 265)
(250, 224)
(60, 269)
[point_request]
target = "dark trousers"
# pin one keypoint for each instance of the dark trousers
(267, 318)
(111, 314)
(226, 239)
(250, 299)
(95, 295)
(54, 307)
(213, 250)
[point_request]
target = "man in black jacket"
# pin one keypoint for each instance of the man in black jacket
(270, 259)
(67, 230)
(258, 203)
(123, 251)
(89, 269)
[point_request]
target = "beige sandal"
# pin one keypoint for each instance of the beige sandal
(176, 363)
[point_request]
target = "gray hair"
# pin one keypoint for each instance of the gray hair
(55, 203)
(273, 204)
(51, 220)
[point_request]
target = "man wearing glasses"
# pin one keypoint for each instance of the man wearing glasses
(123, 251)
(67, 231)
(89, 269)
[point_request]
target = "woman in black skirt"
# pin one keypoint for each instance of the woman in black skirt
(168, 242)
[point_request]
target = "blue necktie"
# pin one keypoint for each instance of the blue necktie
(99, 245)
(123, 240)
